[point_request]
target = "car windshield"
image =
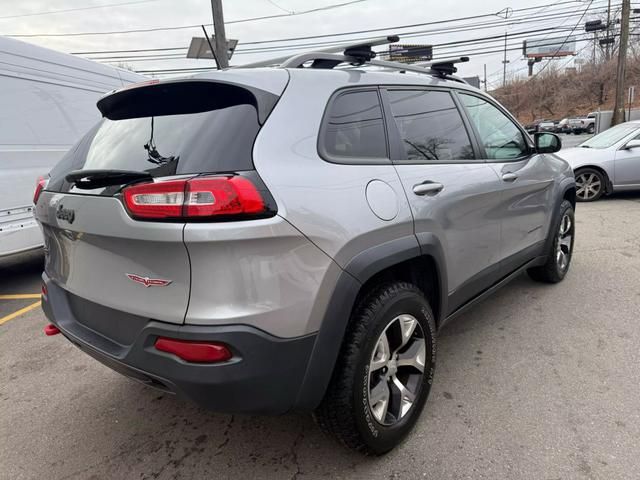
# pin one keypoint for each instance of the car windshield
(610, 137)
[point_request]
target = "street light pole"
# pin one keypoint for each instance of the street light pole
(220, 35)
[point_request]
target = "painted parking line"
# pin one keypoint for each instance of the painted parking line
(17, 313)
(20, 296)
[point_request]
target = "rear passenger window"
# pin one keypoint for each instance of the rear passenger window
(430, 125)
(355, 128)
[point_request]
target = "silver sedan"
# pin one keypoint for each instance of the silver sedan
(608, 162)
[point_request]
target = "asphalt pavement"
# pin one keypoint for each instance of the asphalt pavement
(537, 382)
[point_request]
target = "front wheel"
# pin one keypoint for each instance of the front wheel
(561, 249)
(591, 129)
(384, 373)
(590, 185)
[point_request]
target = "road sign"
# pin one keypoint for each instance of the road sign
(199, 47)
(550, 47)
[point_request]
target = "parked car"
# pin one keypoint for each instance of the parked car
(48, 102)
(547, 126)
(275, 239)
(563, 126)
(608, 162)
(534, 126)
(584, 124)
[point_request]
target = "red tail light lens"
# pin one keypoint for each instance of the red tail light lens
(198, 197)
(40, 186)
(193, 351)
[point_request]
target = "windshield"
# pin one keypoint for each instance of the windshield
(610, 137)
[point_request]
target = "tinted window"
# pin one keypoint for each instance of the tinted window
(174, 134)
(430, 125)
(355, 128)
(501, 139)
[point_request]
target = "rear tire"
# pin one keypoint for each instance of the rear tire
(560, 250)
(591, 129)
(380, 384)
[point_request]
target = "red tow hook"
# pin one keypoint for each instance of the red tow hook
(51, 329)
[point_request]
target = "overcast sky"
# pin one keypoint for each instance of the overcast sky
(367, 14)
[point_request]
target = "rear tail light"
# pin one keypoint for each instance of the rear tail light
(195, 198)
(194, 351)
(40, 186)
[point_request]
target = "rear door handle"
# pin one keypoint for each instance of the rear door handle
(427, 187)
(509, 177)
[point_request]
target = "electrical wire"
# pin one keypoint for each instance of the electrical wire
(156, 29)
(182, 27)
(66, 10)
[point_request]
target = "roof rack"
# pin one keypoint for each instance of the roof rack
(358, 54)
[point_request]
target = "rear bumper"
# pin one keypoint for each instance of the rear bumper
(264, 376)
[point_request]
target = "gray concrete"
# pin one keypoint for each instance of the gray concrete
(538, 382)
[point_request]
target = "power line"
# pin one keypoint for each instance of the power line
(468, 27)
(51, 12)
(182, 27)
(476, 53)
(157, 29)
(475, 41)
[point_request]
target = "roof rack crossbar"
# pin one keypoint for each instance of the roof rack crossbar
(361, 53)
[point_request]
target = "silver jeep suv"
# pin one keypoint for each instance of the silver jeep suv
(276, 239)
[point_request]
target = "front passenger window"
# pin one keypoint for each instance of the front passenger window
(500, 137)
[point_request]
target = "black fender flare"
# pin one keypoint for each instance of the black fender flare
(358, 270)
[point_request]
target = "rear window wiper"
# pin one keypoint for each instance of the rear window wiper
(89, 179)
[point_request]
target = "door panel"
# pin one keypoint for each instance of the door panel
(627, 167)
(464, 214)
(452, 194)
(526, 180)
(525, 203)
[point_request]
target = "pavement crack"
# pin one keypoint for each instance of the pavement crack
(294, 454)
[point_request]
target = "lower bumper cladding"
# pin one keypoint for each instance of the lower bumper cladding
(231, 368)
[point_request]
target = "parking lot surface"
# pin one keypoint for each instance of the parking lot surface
(537, 382)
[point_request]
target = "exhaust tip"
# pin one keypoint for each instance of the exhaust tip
(51, 329)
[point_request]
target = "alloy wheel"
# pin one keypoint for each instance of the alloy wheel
(589, 186)
(396, 369)
(564, 242)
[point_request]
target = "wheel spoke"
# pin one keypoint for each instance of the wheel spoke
(566, 242)
(406, 396)
(414, 356)
(382, 353)
(407, 326)
(379, 400)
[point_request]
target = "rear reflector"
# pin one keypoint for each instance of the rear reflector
(40, 186)
(44, 290)
(199, 197)
(50, 330)
(194, 351)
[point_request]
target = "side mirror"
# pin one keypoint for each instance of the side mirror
(547, 142)
(631, 144)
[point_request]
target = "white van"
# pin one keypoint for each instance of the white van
(47, 102)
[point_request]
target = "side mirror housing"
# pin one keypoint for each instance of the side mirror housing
(547, 142)
(631, 144)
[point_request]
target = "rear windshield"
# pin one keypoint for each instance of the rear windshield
(173, 129)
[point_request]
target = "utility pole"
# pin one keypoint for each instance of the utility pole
(504, 62)
(485, 77)
(618, 109)
(607, 49)
(220, 35)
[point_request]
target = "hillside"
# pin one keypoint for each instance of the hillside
(557, 94)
